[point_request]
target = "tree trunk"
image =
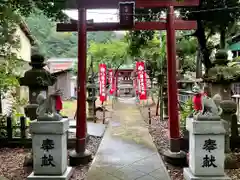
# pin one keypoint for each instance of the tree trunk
(158, 101)
(159, 94)
(222, 38)
(161, 103)
(151, 81)
(0, 103)
(199, 64)
(200, 34)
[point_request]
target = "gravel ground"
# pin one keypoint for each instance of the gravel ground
(159, 133)
(11, 162)
(80, 171)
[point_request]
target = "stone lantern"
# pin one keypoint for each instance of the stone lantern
(221, 75)
(37, 79)
(91, 88)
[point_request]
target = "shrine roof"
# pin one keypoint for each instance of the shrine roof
(235, 46)
(126, 67)
(23, 26)
(62, 59)
(60, 64)
(61, 71)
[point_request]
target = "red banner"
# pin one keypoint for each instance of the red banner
(102, 82)
(111, 81)
(141, 80)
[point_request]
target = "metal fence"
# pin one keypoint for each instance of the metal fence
(15, 133)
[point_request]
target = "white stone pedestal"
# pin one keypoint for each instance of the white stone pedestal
(49, 144)
(206, 151)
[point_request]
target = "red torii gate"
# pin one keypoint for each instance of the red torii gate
(81, 155)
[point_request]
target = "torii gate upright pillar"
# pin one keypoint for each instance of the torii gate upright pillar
(80, 155)
(174, 155)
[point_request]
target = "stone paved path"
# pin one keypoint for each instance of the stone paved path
(94, 129)
(127, 151)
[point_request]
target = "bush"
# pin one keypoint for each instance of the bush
(185, 111)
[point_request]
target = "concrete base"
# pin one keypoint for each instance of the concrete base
(189, 176)
(175, 158)
(76, 159)
(66, 176)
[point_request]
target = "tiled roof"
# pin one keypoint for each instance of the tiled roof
(61, 67)
(27, 32)
(127, 66)
(60, 64)
(62, 59)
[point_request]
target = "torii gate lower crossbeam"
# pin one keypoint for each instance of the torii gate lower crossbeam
(147, 26)
(81, 155)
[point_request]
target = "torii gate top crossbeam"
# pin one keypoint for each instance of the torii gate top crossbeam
(113, 4)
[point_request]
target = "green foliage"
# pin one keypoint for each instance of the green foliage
(208, 19)
(154, 55)
(51, 8)
(223, 71)
(186, 110)
(210, 11)
(186, 45)
(139, 39)
(186, 51)
(58, 44)
(9, 44)
(223, 74)
(112, 53)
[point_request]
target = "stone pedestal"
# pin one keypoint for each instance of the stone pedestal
(91, 114)
(206, 150)
(49, 143)
(229, 109)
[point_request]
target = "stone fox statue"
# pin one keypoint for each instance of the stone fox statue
(207, 105)
(211, 106)
(46, 107)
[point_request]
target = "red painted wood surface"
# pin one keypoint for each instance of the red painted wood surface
(165, 3)
(171, 77)
(113, 4)
(81, 128)
(178, 25)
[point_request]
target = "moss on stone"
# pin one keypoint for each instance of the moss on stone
(221, 72)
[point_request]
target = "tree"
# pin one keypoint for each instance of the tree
(10, 17)
(154, 55)
(207, 17)
(58, 44)
(9, 45)
(51, 8)
(112, 53)
(186, 52)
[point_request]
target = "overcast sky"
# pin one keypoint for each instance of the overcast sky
(100, 15)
